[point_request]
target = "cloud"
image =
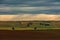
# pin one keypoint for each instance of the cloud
(27, 2)
(29, 17)
(5, 9)
(29, 6)
(29, 9)
(36, 2)
(55, 3)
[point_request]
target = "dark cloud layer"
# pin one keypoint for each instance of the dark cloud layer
(8, 6)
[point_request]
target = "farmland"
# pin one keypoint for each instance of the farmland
(29, 25)
(24, 30)
(29, 35)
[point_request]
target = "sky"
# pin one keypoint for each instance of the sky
(29, 10)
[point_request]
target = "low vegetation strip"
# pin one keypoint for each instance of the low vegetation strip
(17, 28)
(29, 25)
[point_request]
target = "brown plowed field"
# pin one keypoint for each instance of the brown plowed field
(29, 35)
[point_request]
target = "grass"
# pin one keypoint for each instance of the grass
(5, 28)
(17, 28)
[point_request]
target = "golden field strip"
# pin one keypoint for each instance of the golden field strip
(9, 28)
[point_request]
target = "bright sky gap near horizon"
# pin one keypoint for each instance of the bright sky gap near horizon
(29, 10)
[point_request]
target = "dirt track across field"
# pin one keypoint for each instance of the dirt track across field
(29, 35)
